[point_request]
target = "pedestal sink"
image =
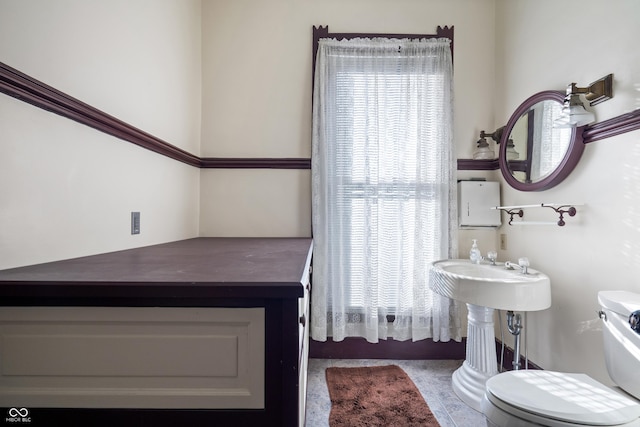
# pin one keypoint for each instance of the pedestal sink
(484, 288)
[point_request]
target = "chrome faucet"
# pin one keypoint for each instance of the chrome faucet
(523, 264)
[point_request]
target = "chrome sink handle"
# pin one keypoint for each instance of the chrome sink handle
(523, 264)
(492, 256)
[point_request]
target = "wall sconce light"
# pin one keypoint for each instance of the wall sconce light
(573, 111)
(483, 152)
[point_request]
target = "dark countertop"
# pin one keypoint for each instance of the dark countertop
(190, 269)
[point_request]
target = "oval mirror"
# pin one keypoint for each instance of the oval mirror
(534, 154)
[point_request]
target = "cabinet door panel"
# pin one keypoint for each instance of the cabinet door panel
(115, 357)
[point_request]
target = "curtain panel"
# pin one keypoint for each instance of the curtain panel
(383, 189)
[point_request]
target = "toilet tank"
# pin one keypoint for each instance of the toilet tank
(621, 343)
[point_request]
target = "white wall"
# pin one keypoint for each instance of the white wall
(546, 44)
(257, 94)
(67, 190)
(256, 102)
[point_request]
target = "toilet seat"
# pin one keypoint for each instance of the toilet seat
(548, 397)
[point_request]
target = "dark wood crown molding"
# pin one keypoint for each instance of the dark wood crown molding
(27, 89)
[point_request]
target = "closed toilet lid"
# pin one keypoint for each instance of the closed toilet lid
(574, 398)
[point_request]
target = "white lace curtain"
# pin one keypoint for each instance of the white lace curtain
(383, 189)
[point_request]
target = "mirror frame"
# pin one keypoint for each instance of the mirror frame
(568, 163)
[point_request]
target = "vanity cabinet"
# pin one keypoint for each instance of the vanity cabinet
(206, 331)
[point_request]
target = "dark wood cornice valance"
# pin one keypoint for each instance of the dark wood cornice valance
(322, 31)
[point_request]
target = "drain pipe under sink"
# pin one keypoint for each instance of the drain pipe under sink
(514, 324)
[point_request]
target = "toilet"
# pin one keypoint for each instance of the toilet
(547, 398)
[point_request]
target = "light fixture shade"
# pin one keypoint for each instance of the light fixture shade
(483, 152)
(579, 116)
(573, 113)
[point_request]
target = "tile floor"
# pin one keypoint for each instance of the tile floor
(432, 377)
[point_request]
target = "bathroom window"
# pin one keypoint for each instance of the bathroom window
(378, 183)
(382, 178)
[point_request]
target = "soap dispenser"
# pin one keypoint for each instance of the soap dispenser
(474, 253)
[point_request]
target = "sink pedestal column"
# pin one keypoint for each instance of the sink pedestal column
(481, 360)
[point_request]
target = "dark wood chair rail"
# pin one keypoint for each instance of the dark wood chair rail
(25, 88)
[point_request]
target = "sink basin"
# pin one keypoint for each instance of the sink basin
(485, 288)
(490, 286)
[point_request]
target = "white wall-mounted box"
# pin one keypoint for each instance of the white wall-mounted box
(475, 202)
